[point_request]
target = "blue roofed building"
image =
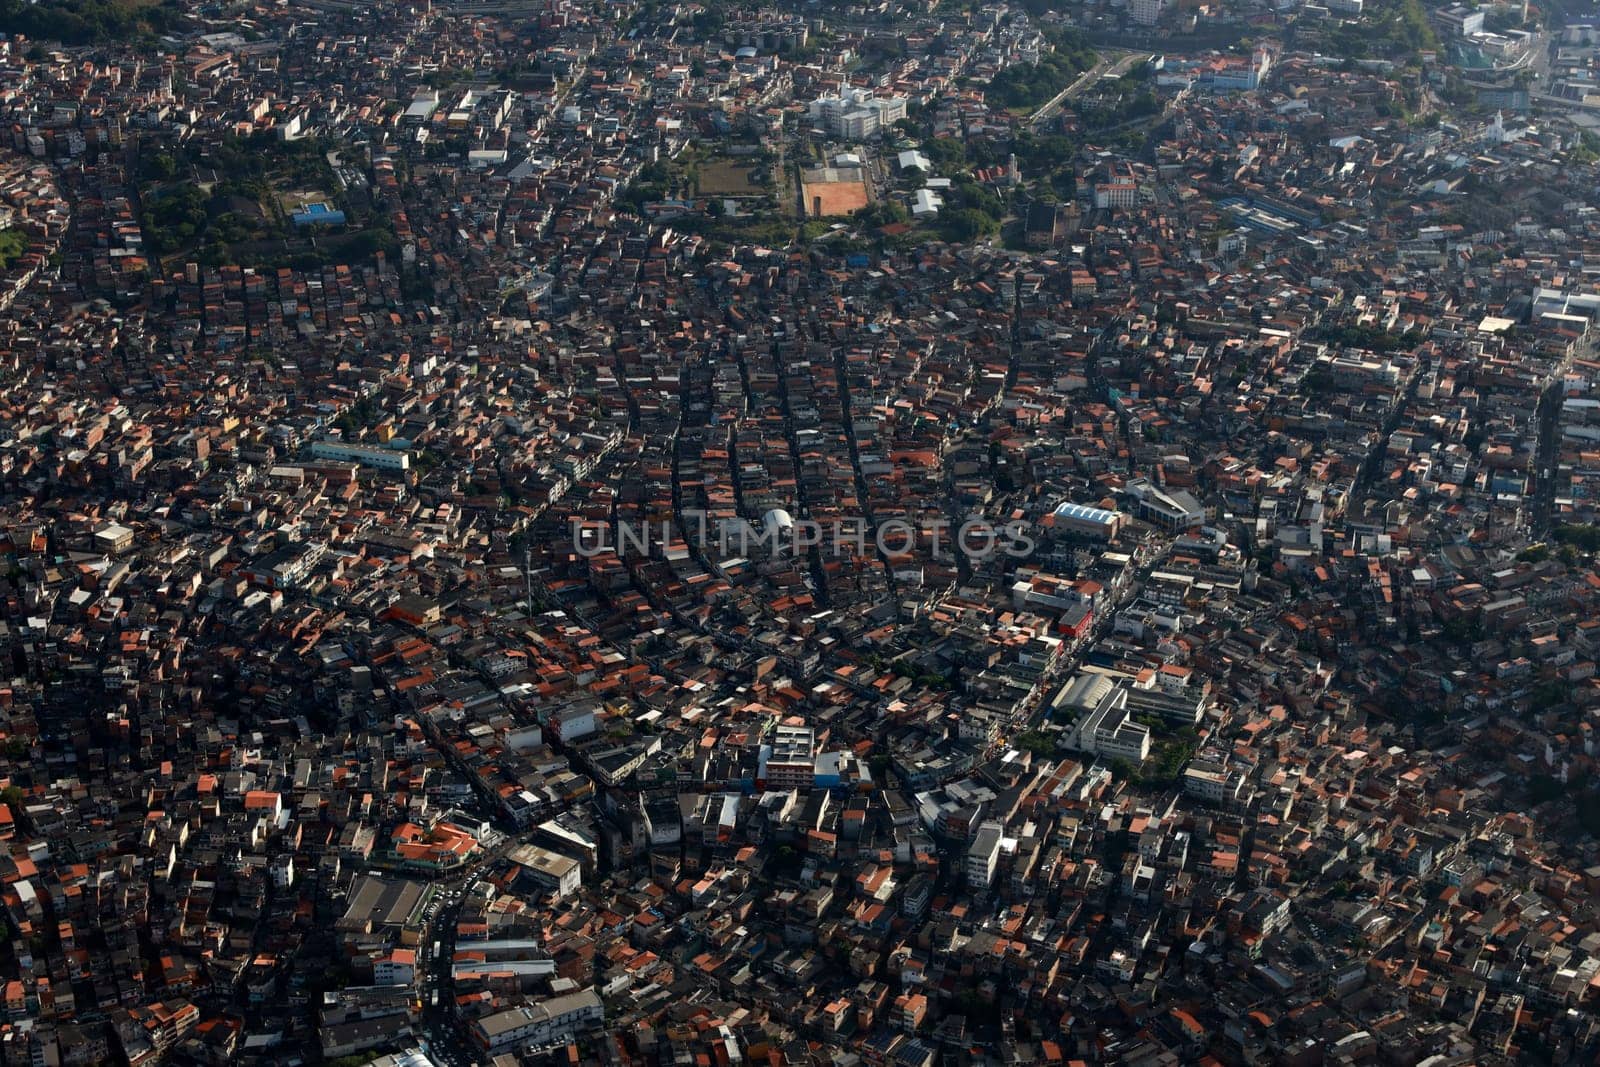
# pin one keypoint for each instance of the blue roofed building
(318, 214)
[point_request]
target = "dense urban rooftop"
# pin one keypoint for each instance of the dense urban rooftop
(899, 533)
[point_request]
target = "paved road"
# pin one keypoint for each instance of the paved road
(446, 1039)
(1102, 68)
(1547, 449)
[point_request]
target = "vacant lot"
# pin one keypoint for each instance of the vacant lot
(727, 178)
(837, 198)
(295, 199)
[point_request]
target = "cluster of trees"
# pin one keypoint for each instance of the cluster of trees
(1538, 553)
(1543, 788)
(368, 243)
(1138, 104)
(883, 213)
(158, 167)
(1579, 536)
(1165, 763)
(766, 229)
(1023, 86)
(1589, 811)
(240, 205)
(1387, 29)
(901, 669)
(656, 181)
(951, 156)
(948, 155)
(1587, 149)
(1371, 338)
(175, 219)
(966, 224)
(1069, 41)
(232, 227)
(184, 216)
(1037, 153)
(709, 22)
(1048, 162)
(966, 193)
(1035, 741)
(13, 243)
(245, 166)
(76, 22)
(350, 248)
(264, 157)
(970, 211)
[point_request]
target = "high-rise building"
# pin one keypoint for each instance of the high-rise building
(983, 857)
(1145, 12)
(856, 115)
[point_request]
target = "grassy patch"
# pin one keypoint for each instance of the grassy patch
(741, 229)
(728, 178)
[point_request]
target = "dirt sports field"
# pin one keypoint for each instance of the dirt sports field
(838, 198)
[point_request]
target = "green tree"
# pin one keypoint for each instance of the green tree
(965, 224)
(175, 218)
(1543, 788)
(13, 243)
(882, 213)
(1579, 536)
(1035, 741)
(947, 154)
(1024, 85)
(158, 167)
(77, 22)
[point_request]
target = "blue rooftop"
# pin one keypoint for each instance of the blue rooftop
(317, 213)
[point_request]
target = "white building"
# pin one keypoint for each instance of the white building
(914, 158)
(926, 203)
(1087, 521)
(399, 967)
(1175, 510)
(113, 538)
(1103, 726)
(1240, 75)
(1145, 12)
(558, 1017)
(1460, 20)
(1108, 731)
(1211, 782)
(421, 109)
(383, 459)
(790, 761)
(983, 857)
(855, 114)
(1121, 194)
(572, 721)
(556, 874)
